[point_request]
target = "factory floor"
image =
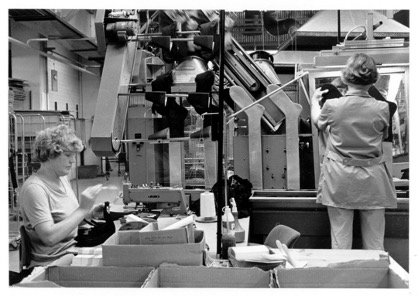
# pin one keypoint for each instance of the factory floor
(105, 195)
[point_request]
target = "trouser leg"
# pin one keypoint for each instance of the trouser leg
(341, 227)
(372, 229)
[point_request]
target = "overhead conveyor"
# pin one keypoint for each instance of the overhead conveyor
(243, 71)
(252, 74)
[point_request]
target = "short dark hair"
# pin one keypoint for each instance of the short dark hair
(360, 69)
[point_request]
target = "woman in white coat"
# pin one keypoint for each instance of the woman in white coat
(354, 175)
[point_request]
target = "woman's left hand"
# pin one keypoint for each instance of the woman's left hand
(317, 96)
(97, 211)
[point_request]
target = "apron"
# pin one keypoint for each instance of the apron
(352, 183)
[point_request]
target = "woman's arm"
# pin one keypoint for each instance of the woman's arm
(52, 233)
(315, 108)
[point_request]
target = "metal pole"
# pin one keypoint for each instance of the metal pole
(23, 167)
(220, 127)
(76, 157)
(22, 143)
(338, 26)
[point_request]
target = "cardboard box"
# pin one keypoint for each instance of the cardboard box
(342, 269)
(90, 276)
(116, 254)
(334, 277)
(174, 276)
(153, 234)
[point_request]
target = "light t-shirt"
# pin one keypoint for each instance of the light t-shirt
(41, 202)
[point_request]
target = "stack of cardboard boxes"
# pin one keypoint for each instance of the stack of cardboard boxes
(159, 257)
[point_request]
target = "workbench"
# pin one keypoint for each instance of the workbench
(299, 210)
(210, 230)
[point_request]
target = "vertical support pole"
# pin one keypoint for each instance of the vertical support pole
(338, 26)
(369, 27)
(220, 125)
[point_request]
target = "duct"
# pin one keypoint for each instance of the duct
(325, 23)
(111, 108)
(321, 30)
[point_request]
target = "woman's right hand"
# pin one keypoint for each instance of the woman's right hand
(89, 195)
(317, 96)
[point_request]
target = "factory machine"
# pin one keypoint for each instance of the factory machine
(152, 81)
(159, 72)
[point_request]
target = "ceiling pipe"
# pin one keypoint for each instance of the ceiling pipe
(58, 39)
(73, 61)
(24, 45)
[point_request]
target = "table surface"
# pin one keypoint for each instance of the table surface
(312, 257)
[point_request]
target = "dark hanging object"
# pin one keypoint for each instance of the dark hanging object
(238, 188)
(99, 233)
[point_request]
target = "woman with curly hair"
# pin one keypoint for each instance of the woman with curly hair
(50, 210)
(354, 176)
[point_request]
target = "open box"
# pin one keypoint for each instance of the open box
(171, 276)
(133, 254)
(331, 268)
(153, 235)
(358, 275)
(90, 276)
(174, 276)
(334, 277)
(335, 268)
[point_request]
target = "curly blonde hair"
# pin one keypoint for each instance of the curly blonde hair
(51, 142)
(360, 69)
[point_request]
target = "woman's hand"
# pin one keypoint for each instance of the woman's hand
(317, 96)
(97, 211)
(88, 197)
(315, 109)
